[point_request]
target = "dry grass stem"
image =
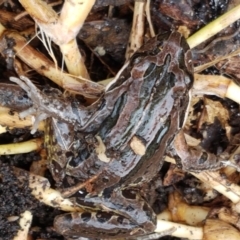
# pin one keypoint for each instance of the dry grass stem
(23, 14)
(137, 31)
(216, 85)
(216, 60)
(149, 20)
(215, 229)
(25, 223)
(72, 17)
(13, 120)
(229, 216)
(62, 30)
(45, 67)
(184, 213)
(22, 147)
(218, 182)
(40, 11)
(233, 92)
(181, 230)
(74, 60)
(214, 27)
(41, 190)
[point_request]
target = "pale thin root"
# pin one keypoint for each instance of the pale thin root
(26, 44)
(25, 223)
(46, 41)
(148, 16)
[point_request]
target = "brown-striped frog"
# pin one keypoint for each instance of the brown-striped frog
(100, 155)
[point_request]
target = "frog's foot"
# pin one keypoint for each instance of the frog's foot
(229, 163)
(35, 95)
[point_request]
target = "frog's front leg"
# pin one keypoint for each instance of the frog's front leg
(44, 106)
(193, 158)
(123, 214)
(69, 110)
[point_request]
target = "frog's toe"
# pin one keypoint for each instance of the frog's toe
(29, 111)
(21, 83)
(38, 119)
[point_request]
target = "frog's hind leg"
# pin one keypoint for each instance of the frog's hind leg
(123, 214)
(94, 224)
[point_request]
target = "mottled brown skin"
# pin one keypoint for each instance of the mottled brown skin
(148, 100)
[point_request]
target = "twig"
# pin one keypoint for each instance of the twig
(41, 190)
(25, 223)
(136, 36)
(22, 147)
(214, 27)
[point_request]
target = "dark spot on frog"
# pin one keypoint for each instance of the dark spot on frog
(111, 153)
(65, 136)
(90, 139)
(59, 153)
(83, 34)
(120, 219)
(105, 179)
(97, 166)
(67, 218)
(91, 172)
(84, 154)
(56, 167)
(138, 180)
(203, 158)
(11, 112)
(69, 154)
(129, 208)
(103, 216)
(107, 193)
(124, 162)
(117, 29)
(43, 68)
(147, 210)
(129, 194)
(22, 97)
(82, 193)
(102, 104)
(75, 161)
(86, 216)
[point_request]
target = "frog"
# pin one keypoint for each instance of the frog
(101, 155)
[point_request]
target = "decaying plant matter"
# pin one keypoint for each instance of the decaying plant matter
(179, 219)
